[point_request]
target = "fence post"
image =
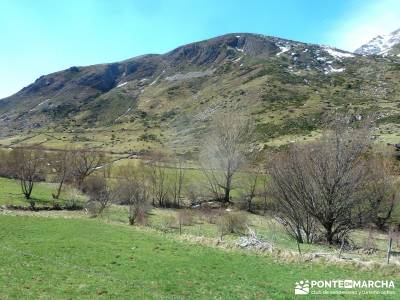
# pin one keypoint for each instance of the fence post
(389, 249)
(341, 248)
(298, 247)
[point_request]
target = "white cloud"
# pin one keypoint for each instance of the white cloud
(360, 26)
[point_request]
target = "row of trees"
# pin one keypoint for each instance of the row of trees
(32, 165)
(317, 190)
(138, 185)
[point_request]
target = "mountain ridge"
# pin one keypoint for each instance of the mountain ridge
(387, 44)
(286, 85)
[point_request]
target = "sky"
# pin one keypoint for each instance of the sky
(38, 37)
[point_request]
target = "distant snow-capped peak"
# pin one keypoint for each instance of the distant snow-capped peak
(380, 45)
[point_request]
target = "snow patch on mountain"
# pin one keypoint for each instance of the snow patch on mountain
(338, 54)
(329, 69)
(284, 49)
(121, 84)
(380, 45)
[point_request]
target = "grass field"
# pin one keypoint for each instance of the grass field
(10, 193)
(66, 255)
(50, 258)
(165, 220)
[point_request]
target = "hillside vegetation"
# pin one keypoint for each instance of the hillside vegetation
(166, 101)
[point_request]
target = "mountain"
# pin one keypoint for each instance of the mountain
(165, 101)
(388, 44)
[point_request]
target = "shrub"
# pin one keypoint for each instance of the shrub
(167, 223)
(232, 222)
(141, 218)
(193, 194)
(101, 195)
(369, 241)
(133, 191)
(210, 215)
(185, 217)
(73, 202)
(147, 137)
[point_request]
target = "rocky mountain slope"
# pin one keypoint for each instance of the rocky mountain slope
(166, 101)
(388, 44)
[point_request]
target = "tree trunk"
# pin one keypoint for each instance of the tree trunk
(56, 196)
(249, 208)
(227, 189)
(299, 236)
(380, 223)
(227, 195)
(329, 234)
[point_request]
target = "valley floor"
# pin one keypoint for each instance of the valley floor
(64, 254)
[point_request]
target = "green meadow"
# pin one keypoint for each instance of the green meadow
(54, 258)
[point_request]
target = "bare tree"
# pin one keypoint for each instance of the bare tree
(337, 175)
(225, 152)
(177, 179)
(159, 180)
(5, 164)
(85, 163)
(62, 164)
(264, 193)
(324, 179)
(381, 192)
(249, 186)
(28, 166)
(287, 186)
(101, 194)
(134, 191)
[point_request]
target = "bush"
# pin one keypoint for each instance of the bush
(133, 190)
(147, 137)
(167, 223)
(94, 208)
(241, 203)
(210, 215)
(101, 195)
(369, 241)
(193, 194)
(232, 222)
(185, 217)
(73, 202)
(142, 218)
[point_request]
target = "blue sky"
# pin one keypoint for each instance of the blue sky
(43, 36)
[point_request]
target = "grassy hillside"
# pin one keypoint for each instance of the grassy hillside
(46, 258)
